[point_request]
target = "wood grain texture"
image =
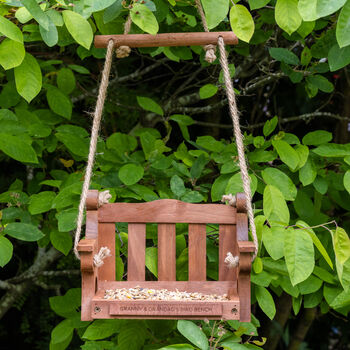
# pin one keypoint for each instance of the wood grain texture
(197, 252)
(136, 252)
(106, 238)
(92, 200)
(227, 243)
(91, 227)
(242, 227)
(166, 252)
(166, 39)
(167, 211)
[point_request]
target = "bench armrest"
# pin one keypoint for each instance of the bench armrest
(246, 246)
(87, 249)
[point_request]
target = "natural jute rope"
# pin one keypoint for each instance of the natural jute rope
(93, 141)
(239, 140)
(210, 56)
(124, 51)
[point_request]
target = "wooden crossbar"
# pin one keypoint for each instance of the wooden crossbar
(166, 39)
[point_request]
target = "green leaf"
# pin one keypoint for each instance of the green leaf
(49, 36)
(193, 333)
(6, 250)
(333, 150)
(101, 329)
(17, 149)
(341, 300)
(130, 174)
(311, 285)
(219, 186)
(24, 232)
(273, 239)
(270, 126)
(287, 153)
(66, 305)
(78, 27)
(279, 179)
(62, 331)
(299, 255)
(59, 102)
(215, 11)
(311, 10)
(343, 26)
(235, 184)
(113, 11)
(287, 15)
(11, 53)
(9, 29)
(177, 186)
(66, 80)
(192, 197)
(207, 91)
(41, 202)
(242, 22)
(75, 144)
(67, 196)
(28, 78)
(320, 82)
(67, 219)
(178, 347)
(338, 57)
(149, 105)
(317, 137)
(152, 260)
(275, 207)
(62, 241)
(284, 55)
(346, 180)
(143, 17)
(265, 301)
(23, 15)
(35, 10)
(257, 4)
(341, 244)
(308, 173)
(99, 5)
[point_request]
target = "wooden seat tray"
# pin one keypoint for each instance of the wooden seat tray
(168, 309)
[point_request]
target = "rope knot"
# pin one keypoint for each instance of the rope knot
(122, 51)
(103, 198)
(101, 255)
(231, 261)
(210, 55)
(229, 198)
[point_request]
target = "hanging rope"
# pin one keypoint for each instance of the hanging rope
(93, 142)
(210, 56)
(239, 140)
(124, 51)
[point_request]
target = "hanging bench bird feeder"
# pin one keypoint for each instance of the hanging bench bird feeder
(103, 296)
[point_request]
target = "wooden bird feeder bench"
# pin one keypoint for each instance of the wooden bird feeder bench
(233, 237)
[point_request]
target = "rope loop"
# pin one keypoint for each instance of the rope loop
(124, 51)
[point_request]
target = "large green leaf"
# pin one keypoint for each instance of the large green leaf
(67, 219)
(101, 329)
(341, 244)
(287, 153)
(66, 80)
(299, 255)
(62, 241)
(273, 239)
(6, 250)
(284, 55)
(62, 331)
(143, 17)
(49, 36)
(215, 11)
(346, 180)
(78, 27)
(242, 22)
(24, 232)
(177, 186)
(17, 149)
(9, 29)
(11, 53)
(275, 207)
(333, 150)
(207, 91)
(277, 178)
(257, 4)
(151, 260)
(338, 57)
(193, 333)
(149, 105)
(129, 174)
(36, 11)
(308, 173)
(287, 15)
(41, 202)
(59, 102)
(311, 10)
(317, 137)
(321, 82)
(265, 301)
(343, 26)
(76, 144)
(28, 78)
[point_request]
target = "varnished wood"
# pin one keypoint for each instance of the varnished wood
(106, 238)
(91, 227)
(246, 246)
(167, 211)
(241, 203)
(242, 227)
(136, 252)
(227, 243)
(166, 252)
(92, 200)
(197, 249)
(166, 39)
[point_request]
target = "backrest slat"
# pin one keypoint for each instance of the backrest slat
(227, 243)
(106, 238)
(197, 248)
(166, 252)
(167, 211)
(136, 252)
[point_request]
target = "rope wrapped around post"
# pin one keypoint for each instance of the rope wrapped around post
(124, 51)
(239, 143)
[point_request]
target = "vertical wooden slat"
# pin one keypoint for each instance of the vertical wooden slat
(136, 252)
(197, 270)
(227, 243)
(166, 252)
(244, 269)
(106, 238)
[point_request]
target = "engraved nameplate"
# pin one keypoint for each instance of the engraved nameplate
(165, 308)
